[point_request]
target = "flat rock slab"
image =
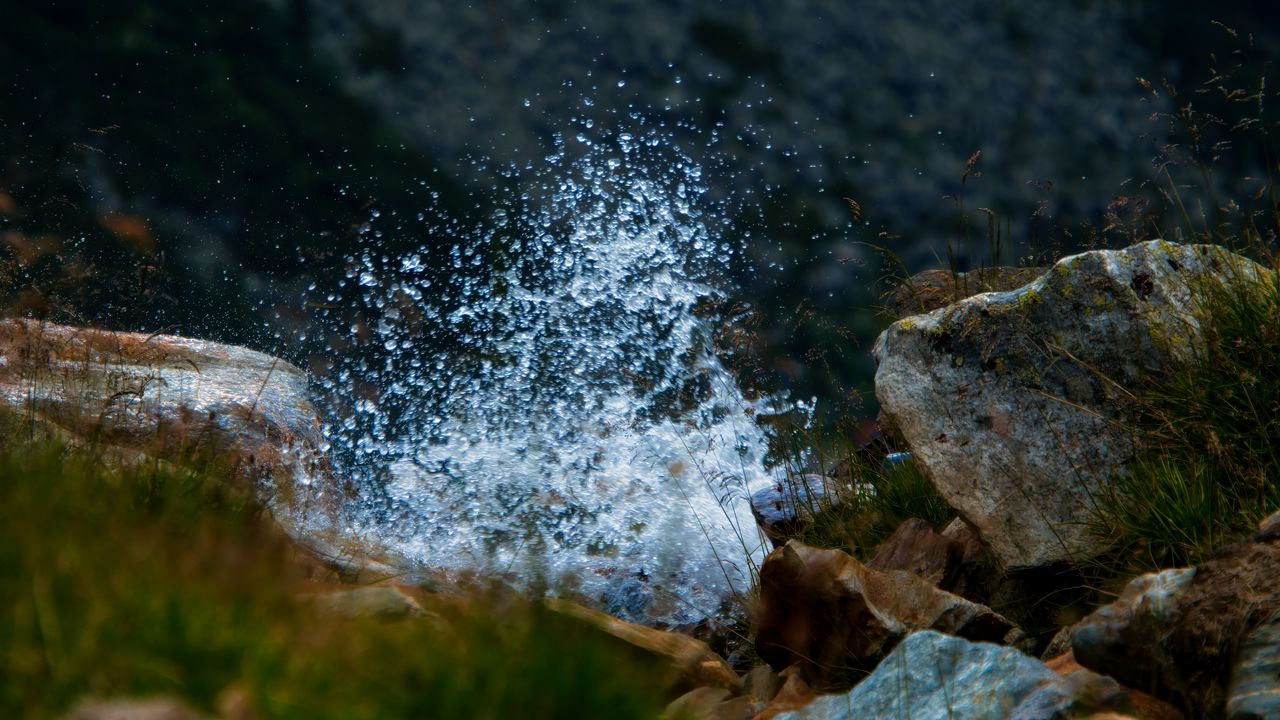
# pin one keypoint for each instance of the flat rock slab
(693, 664)
(159, 397)
(1015, 404)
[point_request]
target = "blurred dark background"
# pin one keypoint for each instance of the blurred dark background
(206, 168)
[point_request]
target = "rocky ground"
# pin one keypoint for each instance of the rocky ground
(1013, 403)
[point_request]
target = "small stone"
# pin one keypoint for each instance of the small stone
(794, 694)
(149, 709)
(697, 704)
(785, 507)
(380, 601)
(761, 683)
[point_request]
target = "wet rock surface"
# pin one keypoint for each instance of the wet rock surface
(1013, 403)
(785, 507)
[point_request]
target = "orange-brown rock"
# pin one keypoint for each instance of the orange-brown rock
(1139, 705)
(828, 612)
(917, 548)
(794, 694)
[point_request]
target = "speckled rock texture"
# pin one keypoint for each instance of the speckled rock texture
(931, 675)
(1017, 404)
(1125, 638)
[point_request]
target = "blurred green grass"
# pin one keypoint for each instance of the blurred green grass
(135, 582)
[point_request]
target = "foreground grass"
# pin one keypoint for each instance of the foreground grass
(151, 581)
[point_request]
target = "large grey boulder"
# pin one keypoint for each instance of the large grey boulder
(134, 397)
(1016, 404)
(931, 675)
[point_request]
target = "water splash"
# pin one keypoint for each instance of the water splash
(551, 403)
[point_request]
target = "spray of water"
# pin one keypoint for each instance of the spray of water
(548, 402)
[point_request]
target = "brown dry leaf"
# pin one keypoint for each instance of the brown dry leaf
(855, 208)
(968, 166)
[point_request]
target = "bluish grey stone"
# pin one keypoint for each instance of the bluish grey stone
(1254, 692)
(1125, 639)
(931, 675)
(786, 505)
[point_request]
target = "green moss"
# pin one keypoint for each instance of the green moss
(1026, 299)
(1030, 376)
